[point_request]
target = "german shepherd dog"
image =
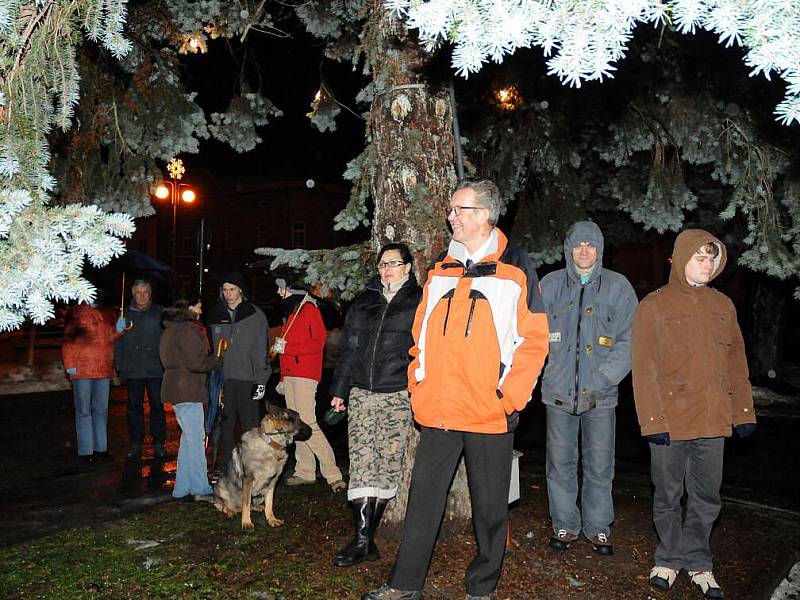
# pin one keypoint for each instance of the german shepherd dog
(256, 464)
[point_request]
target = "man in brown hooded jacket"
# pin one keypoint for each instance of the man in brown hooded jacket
(691, 388)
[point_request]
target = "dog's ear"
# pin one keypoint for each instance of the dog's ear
(302, 431)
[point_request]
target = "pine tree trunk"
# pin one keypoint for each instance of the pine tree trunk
(410, 129)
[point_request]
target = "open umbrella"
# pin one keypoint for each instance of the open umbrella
(139, 263)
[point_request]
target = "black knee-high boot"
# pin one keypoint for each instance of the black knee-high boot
(361, 547)
(378, 506)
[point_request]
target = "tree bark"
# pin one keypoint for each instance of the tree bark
(410, 127)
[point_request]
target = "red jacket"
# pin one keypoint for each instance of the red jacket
(305, 335)
(89, 336)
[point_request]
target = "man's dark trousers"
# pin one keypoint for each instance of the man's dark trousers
(684, 538)
(488, 462)
(237, 396)
(158, 420)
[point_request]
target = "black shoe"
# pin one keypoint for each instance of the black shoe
(562, 540)
(134, 451)
(85, 459)
(216, 475)
(361, 547)
(389, 593)
(601, 544)
(103, 457)
(188, 498)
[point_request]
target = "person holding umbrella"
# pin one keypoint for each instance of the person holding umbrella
(300, 347)
(138, 363)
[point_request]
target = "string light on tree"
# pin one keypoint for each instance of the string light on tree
(508, 98)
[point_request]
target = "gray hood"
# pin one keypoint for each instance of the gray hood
(583, 231)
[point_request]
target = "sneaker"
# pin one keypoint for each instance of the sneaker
(389, 593)
(491, 596)
(159, 451)
(295, 480)
(216, 475)
(337, 486)
(707, 583)
(562, 540)
(601, 544)
(134, 451)
(662, 578)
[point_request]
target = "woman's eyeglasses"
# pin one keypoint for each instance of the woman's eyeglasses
(390, 263)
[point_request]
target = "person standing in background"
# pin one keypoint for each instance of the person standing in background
(88, 355)
(138, 363)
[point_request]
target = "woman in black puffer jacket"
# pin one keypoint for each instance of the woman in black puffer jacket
(372, 379)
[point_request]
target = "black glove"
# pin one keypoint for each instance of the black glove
(659, 439)
(745, 430)
(257, 393)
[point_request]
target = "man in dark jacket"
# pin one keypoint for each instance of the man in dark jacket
(691, 387)
(590, 313)
(244, 363)
(138, 363)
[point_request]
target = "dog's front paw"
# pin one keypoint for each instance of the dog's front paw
(248, 526)
(274, 521)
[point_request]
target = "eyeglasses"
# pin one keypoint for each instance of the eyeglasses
(457, 209)
(390, 263)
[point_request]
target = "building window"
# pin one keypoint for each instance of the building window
(261, 234)
(298, 234)
(229, 236)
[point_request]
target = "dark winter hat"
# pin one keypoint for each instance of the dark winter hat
(282, 285)
(234, 278)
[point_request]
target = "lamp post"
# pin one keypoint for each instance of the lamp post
(176, 192)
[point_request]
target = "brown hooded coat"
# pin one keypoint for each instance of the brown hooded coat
(690, 376)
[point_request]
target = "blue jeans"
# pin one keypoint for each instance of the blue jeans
(158, 420)
(91, 414)
(192, 477)
(596, 428)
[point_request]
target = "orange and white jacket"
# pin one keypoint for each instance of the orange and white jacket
(480, 340)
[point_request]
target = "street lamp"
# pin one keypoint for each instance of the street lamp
(176, 192)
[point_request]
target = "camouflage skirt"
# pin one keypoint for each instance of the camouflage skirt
(377, 430)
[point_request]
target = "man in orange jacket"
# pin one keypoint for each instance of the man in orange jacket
(691, 387)
(481, 339)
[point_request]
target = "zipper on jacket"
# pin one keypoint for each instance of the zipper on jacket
(578, 350)
(446, 316)
(469, 320)
(375, 347)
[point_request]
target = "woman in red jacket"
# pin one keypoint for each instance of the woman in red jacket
(300, 346)
(88, 355)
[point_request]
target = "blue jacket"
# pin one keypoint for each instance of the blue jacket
(590, 330)
(136, 352)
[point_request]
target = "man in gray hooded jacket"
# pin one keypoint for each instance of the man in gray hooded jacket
(590, 314)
